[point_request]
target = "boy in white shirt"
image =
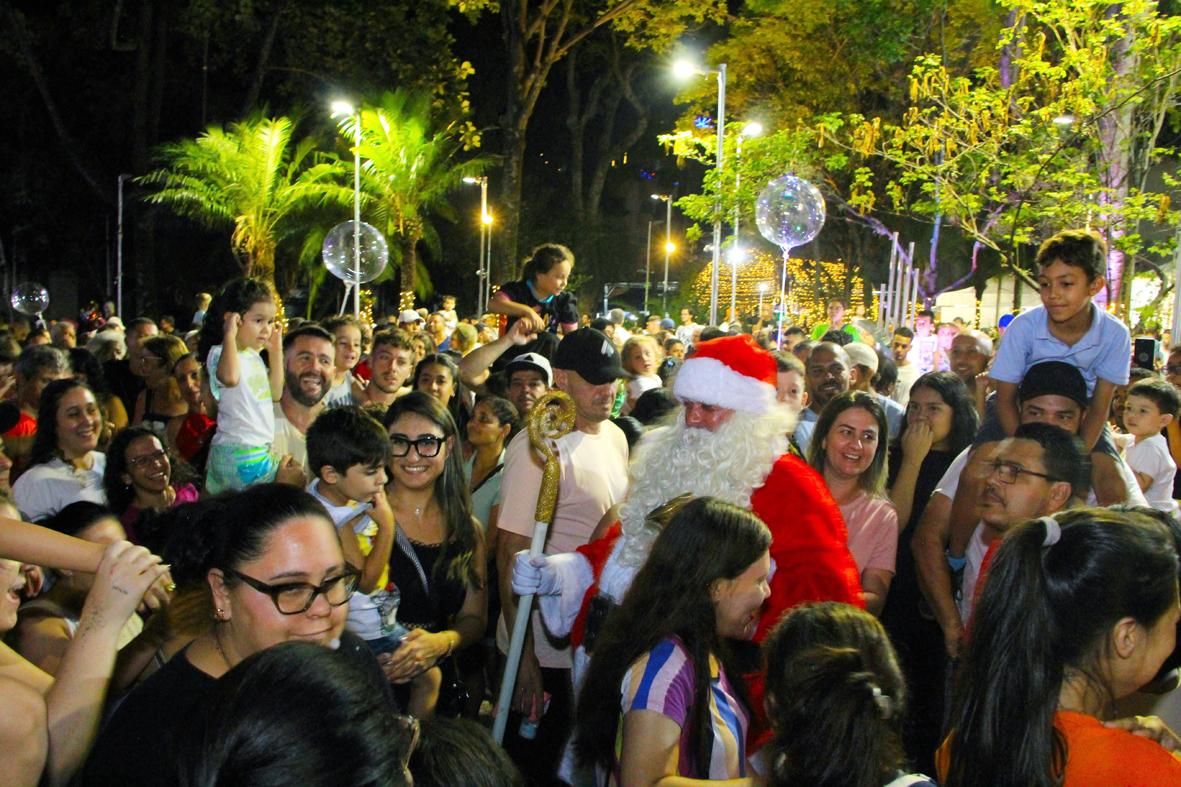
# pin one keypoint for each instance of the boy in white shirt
(1151, 406)
(347, 453)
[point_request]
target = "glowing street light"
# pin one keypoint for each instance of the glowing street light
(342, 108)
(669, 246)
(684, 69)
(485, 261)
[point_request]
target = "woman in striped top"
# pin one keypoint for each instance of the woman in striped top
(676, 712)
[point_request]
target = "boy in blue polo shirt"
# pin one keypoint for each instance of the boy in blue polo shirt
(1067, 327)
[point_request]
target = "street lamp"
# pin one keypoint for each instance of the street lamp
(486, 220)
(685, 69)
(751, 129)
(342, 109)
(648, 265)
(485, 224)
(669, 246)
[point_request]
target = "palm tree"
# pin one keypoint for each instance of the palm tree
(251, 177)
(409, 168)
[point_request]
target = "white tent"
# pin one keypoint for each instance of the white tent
(997, 300)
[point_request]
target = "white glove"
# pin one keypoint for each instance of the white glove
(533, 576)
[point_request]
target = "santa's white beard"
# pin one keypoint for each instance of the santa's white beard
(728, 464)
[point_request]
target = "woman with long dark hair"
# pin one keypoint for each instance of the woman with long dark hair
(836, 701)
(1078, 611)
(848, 449)
(437, 374)
(661, 654)
(139, 483)
(438, 560)
(64, 464)
(89, 371)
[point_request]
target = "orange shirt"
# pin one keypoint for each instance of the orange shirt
(1097, 756)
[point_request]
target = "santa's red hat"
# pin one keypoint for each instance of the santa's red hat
(731, 372)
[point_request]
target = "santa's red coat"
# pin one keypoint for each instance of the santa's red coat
(809, 544)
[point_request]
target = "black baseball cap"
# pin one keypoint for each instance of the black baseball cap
(1053, 378)
(591, 354)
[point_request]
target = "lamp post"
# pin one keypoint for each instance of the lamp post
(345, 108)
(481, 271)
(647, 266)
(669, 246)
(684, 68)
(486, 270)
(751, 129)
(118, 253)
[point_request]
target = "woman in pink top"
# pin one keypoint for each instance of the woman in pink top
(849, 449)
(140, 482)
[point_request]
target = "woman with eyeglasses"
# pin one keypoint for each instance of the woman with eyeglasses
(161, 400)
(267, 564)
(139, 482)
(438, 560)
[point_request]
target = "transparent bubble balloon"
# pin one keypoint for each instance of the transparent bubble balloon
(30, 298)
(789, 211)
(338, 252)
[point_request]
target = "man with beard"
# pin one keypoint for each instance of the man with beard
(730, 442)
(390, 363)
(309, 355)
(593, 478)
(908, 371)
(826, 374)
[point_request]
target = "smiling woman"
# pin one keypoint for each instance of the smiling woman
(848, 448)
(139, 482)
(268, 563)
(65, 467)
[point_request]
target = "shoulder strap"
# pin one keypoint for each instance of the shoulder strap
(408, 550)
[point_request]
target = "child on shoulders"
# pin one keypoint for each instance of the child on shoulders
(1068, 327)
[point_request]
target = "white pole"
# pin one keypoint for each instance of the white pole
(357, 220)
(887, 302)
(118, 254)
(481, 271)
(913, 312)
(735, 247)
(717, 257)
(1176, 332)
(668, 239)
(647, 267)
(906, 284)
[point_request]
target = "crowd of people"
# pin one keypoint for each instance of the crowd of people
(282, 551)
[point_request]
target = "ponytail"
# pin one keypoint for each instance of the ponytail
(1056, 588)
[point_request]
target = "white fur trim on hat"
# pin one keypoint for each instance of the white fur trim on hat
(709, 381)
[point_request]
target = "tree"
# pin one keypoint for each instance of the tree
(1062, 132)
(251, 177)
(540, 35)
(409, 168)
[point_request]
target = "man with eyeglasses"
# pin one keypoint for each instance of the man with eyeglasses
(1037, 472)
(1052, 393)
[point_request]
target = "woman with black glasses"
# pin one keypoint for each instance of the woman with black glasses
(438, 557)
(266, 564)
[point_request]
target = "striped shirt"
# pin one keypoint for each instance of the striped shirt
(663, 681)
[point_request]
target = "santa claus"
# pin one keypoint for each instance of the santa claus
(729, 441)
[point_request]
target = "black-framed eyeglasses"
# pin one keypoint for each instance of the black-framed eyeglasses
(147, 459)
(426, 446)
(293, 598)
(1007, 472)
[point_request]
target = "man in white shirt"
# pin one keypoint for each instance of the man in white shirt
(593, 479)
(688, 328)
(309, 354)
(908, 370)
